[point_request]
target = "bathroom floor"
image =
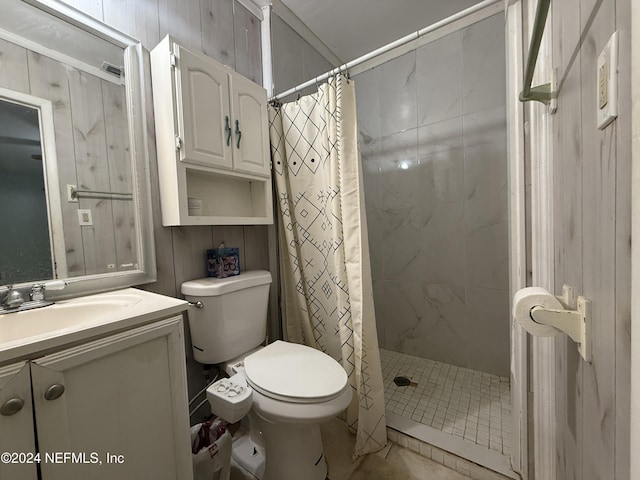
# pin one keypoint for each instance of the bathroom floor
(391, 463)
(472, 405)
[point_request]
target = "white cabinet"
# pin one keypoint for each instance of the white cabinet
(212, 134)
(119, 404)
(16, 421)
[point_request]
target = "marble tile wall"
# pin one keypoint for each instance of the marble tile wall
(432, 128)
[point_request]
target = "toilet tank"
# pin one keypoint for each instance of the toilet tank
(233, 317)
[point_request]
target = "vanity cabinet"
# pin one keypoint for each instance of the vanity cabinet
(213, 140)
(119, 401)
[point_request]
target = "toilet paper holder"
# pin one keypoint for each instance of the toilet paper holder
(575, 323)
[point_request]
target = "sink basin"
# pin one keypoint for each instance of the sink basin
(63, 315)
(69, 320)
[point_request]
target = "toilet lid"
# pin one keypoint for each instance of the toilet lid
(294, 373)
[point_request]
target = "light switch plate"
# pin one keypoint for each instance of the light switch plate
(607, 83)
(70, 196)
(84, 217)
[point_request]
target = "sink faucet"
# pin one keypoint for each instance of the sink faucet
(13, 298)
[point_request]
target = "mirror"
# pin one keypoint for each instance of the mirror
(23, 197)
(74, 88)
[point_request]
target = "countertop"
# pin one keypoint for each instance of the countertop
(26, 335)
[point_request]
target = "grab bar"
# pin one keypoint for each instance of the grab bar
(541, 93)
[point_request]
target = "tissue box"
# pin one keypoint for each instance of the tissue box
(223, 262)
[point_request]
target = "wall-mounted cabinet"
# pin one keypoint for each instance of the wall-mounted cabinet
(212, 133)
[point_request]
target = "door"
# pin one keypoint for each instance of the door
(250, 127)
(204, 119)
(119, 404)
(17, 434)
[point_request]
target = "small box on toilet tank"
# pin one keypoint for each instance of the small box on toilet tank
(223, 261)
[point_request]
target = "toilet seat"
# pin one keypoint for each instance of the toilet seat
(295, 373)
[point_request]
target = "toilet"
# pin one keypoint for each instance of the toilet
(282, 392)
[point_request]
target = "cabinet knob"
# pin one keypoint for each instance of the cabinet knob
(54, 391)
(11, 407)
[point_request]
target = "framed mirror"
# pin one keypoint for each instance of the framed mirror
(73, 151)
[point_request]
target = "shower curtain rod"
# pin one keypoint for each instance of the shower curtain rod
(344, 68)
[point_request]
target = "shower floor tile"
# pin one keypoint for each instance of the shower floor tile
(472, 405)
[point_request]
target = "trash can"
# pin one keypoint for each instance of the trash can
(211, 450)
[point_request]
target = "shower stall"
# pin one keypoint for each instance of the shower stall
(433, 140)
(432, 128)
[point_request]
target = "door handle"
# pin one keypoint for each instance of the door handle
(227, 129)
(238, 134)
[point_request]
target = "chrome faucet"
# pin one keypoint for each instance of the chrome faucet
(13, 298)
(37, 293)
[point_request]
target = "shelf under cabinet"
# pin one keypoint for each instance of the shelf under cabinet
(229, 199)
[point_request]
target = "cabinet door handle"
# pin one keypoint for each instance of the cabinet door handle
(227, 129)
(238, 134)
(11, 407)
(54, 391)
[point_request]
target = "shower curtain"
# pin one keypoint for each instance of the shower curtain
(327, 299)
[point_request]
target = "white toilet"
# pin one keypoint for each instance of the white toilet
(285, 390)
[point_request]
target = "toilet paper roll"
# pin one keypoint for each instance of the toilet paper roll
(527, 298)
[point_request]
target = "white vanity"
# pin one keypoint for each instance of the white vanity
(95, 379)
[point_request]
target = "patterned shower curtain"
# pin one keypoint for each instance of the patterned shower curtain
(327, 299)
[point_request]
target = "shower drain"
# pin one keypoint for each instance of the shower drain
(404, 382)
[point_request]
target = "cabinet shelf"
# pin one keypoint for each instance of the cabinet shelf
(226, 197)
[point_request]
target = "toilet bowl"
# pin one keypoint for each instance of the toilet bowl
(294, 389)
(282, 392)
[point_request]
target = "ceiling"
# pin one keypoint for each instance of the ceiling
(351, 28)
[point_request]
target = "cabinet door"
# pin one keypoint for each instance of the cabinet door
(123, 395)
(17, 434)
(204, 120)
(250, 126)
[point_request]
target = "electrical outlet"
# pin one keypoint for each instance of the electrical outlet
(607, 83)
(84, 217)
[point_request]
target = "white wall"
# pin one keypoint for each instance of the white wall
(294, 59)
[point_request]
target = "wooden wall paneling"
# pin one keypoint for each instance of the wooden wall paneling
(190, 246)
(599, 168)
(216, 18)
(14, 68)
(182, 20)
(256, 247)
(567, 154)
(163, 237)
(248, 43)
(92, 169)
(48, 79)
(623, 245)
(136, 18)
(274, 327)
(119, 162)
(231, 236)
